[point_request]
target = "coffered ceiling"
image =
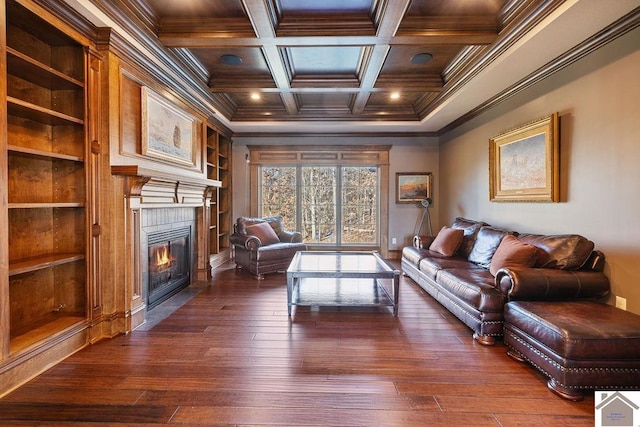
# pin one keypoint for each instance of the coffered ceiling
(327, 60)
(366, 65)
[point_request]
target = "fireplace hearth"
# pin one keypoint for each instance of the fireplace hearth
(168, 265)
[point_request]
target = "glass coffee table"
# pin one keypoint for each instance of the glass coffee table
(350, 279)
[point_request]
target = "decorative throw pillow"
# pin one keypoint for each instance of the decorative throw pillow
(447, 241)
(512, 252)
(264, 232)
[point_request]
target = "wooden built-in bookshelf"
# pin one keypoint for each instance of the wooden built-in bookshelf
(220, 221)
(44, 288)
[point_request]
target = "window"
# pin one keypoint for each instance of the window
(351, 219)
(336, 196)
(318, 204)
(359, 204)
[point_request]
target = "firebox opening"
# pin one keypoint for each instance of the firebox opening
(169, 260)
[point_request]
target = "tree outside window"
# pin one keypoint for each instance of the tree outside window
(314, 207)
(278, 194)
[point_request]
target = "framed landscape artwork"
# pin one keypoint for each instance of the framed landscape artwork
(524, 163)
(413, 187)
(168, 132)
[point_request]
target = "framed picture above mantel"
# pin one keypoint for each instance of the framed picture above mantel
(168, 132)
(524, 163)
(413, 187)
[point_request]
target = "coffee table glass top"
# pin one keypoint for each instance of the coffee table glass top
(339, 263)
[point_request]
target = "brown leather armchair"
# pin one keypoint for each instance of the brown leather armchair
(262, 245)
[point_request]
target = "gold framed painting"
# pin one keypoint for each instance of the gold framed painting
(168, 132)
(413, 187)
(524, 163)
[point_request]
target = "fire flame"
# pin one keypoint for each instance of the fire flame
(162, 256)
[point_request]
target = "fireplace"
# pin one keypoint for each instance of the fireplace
(169, 260)
(166, 216)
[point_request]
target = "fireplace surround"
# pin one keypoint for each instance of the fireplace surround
(157, 207)
(167, 252)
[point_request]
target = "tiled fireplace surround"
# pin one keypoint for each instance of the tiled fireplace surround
(154, 202)
(165, 220)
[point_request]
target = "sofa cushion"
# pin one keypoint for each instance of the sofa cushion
(562, 251)
(486, 244)
(413, 255)
(435, 262)
(470, 229)
(511, 252)
(475, 286)
(264, 232)
(447, 241)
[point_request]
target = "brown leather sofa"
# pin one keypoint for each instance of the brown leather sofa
(566, 267)
(262, 245)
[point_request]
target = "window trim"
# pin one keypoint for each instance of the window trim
(338, 155)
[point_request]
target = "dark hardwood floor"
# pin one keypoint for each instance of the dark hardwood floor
(230, 355)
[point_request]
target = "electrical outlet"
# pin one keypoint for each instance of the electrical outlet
(394, 241)
(621, 303)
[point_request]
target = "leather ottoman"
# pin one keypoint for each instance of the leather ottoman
(579, 345)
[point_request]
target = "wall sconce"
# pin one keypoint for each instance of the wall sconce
(246, 158)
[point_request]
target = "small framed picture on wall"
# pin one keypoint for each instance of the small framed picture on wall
(413, 187)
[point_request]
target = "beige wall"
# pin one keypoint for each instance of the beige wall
(404, 219)
(598, 99)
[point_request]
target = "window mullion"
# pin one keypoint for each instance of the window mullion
(338, 205)
(299, 197)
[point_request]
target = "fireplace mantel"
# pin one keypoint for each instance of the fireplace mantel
(157, 188)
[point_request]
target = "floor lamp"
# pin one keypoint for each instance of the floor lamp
(425, 215)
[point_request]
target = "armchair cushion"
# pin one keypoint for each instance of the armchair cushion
(264, 232)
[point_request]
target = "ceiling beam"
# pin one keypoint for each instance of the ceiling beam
(387, 28)
(200, 40)
(259, 15)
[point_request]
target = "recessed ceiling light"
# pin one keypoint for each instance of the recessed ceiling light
(394, 95)
(231, 59)
(255, 96)
(421, 58)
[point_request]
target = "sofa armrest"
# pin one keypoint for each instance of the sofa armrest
(523, 283)
(290, 237)
(245, 240)
(422, 242)
(595, 262)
